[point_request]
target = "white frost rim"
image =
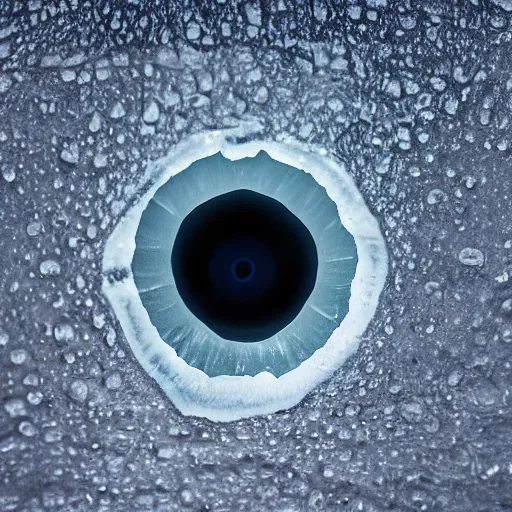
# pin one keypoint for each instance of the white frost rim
(228, 398)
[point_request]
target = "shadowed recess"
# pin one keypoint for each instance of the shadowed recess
(244, 265)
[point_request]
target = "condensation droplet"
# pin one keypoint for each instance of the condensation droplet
(49, 268)
(18, 356)
(152, 113)
(78, 391)
(8, 174)
(64, 333)
(27, 429)
(436, 196)
(34, 228)
(471, 257)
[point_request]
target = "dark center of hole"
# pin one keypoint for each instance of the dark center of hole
(244, 265)
(243, 269)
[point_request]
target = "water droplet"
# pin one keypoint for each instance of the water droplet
(506, 306)
(35, 397)
(64, 333)
(15, 407)
(117, 111)
(5, 83)
(186, 497)
(71, 154)
(383, 165)
(100, 161)
(166, 452)
(111, 336)
(18, 356)
(95, 124)
(49, 268)
(455, 377)
(8, 174)
(316, 500)
(31, 380)
(393, 88)
(412, 411)
(68, 75)
(504, 4)
(471, 257)
(5, 50)
(34, 228)
(261, 95)
(4, 338)
(436, 196)
(27, 429)
(193, 31)
(506, 334)
(98, 320)
(78, 391)
(152, 113)
(113, 381)
(485, 394)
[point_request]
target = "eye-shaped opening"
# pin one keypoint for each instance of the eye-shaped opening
(245, 275)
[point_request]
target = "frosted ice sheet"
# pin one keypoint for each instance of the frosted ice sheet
(226, 398)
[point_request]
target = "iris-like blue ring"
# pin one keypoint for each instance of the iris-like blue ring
(243, 269)
(193, 340)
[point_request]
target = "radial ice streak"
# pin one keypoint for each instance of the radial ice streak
(245, 274)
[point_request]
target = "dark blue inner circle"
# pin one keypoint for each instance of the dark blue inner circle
(243, 269)
(244, 265)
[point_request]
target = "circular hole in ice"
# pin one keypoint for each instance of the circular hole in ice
(220, 375)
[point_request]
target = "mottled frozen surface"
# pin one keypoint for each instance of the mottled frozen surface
(415, 100)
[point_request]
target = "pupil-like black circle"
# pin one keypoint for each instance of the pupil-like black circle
(244, 265)
(243, 269)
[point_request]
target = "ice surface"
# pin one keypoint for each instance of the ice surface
(419, 418)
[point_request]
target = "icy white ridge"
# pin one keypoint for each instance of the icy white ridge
(228, 398)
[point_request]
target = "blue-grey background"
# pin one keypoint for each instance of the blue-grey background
(414, 97)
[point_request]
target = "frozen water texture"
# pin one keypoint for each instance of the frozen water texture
(504, 4)
(440, 337)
